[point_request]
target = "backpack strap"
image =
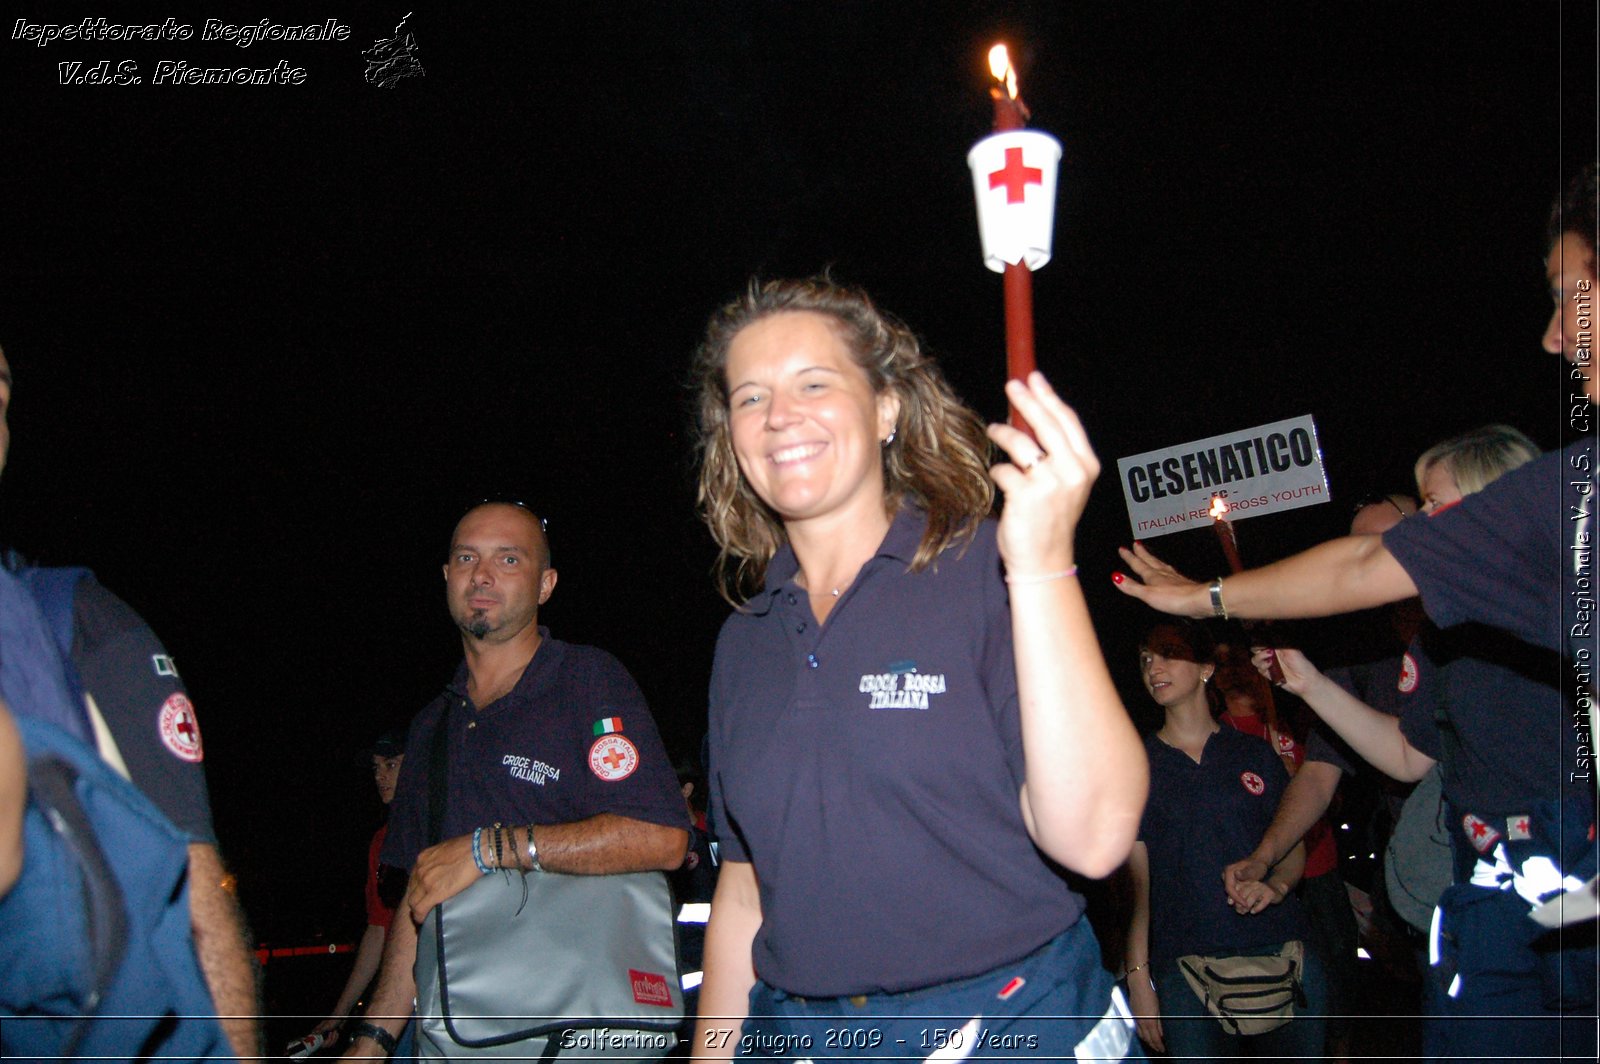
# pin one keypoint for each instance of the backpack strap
(34, 675)
(438, 773)
(55, 590)
(52, 789)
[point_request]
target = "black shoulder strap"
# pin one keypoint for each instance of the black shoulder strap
(438, 772)
(51, 785)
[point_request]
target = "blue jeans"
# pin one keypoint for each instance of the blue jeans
(1057, 1004)
(1191, 1032)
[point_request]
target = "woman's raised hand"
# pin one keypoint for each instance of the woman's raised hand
(1046, 483)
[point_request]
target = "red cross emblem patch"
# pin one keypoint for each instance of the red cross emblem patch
(612, 758)
(1252, 783)
(1408, 674)
(1479, 833)
(180, 730)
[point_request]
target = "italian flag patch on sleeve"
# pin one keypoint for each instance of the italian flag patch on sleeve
(607, 726)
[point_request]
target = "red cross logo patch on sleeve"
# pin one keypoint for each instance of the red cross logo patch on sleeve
(1253, 783)
(613, 757)
(1479, 833)
(1408, 674)
(180, 730)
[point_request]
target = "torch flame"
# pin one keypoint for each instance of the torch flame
(1000, 66)
(1219, 509)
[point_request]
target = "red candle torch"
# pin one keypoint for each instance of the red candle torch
(1014, 177)
(1011, 113)
(1230, 550)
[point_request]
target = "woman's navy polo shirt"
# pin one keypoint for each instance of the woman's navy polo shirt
(1201, 818)
(870, 769)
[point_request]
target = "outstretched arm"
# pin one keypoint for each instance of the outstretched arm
(1375, 736)
(1086, 773)
(1340, 576)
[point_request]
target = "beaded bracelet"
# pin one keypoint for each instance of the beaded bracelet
(477, 851)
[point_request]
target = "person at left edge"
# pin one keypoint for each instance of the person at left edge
(551, 737)
(146, 728)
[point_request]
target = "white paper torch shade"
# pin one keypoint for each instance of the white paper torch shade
(1014, 179)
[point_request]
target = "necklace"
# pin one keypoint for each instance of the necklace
(834, 592)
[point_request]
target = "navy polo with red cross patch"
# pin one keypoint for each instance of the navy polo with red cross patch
(870, 768)
(1200, 818)
(573, 739)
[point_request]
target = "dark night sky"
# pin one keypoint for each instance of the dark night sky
(267, 340)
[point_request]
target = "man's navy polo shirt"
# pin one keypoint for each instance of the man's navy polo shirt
(1201, 818)
(573, 739)
(1509, 555)
(870, 769)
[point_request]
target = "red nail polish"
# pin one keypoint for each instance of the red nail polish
(1116, 578)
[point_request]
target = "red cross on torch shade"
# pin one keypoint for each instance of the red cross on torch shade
(1016, 177)
(1014, 228)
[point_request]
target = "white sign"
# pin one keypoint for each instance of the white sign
(1256, 471)
(1014, 179)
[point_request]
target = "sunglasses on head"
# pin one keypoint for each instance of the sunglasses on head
(500, 500)
(1379, 500)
